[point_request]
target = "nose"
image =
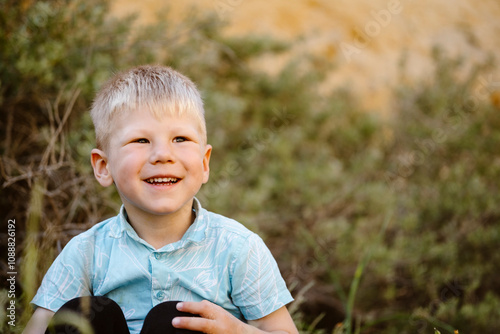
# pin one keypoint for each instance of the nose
(162, 153)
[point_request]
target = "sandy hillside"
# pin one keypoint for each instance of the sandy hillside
(364, 38)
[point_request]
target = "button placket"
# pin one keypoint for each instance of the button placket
(160, 289)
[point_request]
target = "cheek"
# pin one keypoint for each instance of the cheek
(125, 165)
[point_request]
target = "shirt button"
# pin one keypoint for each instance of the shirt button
(157, 256)
(160, 295)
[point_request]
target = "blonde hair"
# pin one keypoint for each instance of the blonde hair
(158, 89)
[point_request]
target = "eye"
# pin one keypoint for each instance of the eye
(141, 141)
(180, 139)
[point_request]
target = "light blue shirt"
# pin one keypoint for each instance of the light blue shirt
(217, 259)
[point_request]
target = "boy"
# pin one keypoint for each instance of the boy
(151, 144)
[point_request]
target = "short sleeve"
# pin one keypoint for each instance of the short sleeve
(69, 275)
(258, 288)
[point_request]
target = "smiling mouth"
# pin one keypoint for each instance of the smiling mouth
(162, 180)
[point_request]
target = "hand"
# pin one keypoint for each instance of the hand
(214, 319)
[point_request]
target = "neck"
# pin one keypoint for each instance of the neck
(161, 230)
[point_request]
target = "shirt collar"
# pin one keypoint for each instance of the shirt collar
(195, 233)
(198, 229)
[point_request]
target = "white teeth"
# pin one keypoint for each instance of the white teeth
(162, 180)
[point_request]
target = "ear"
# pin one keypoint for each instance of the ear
(206, 161)
(99, 162)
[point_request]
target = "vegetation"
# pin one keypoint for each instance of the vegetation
(378, 225)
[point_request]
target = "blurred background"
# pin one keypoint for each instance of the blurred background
(358, 138)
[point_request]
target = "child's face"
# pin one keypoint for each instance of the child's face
(157, 165)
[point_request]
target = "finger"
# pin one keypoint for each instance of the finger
(204, 308)
(194, 324)
(214, 319)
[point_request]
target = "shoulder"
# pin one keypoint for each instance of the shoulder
(228, 236)
(224, 226)
(77, 258)
(87, 240)
(233, 237)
